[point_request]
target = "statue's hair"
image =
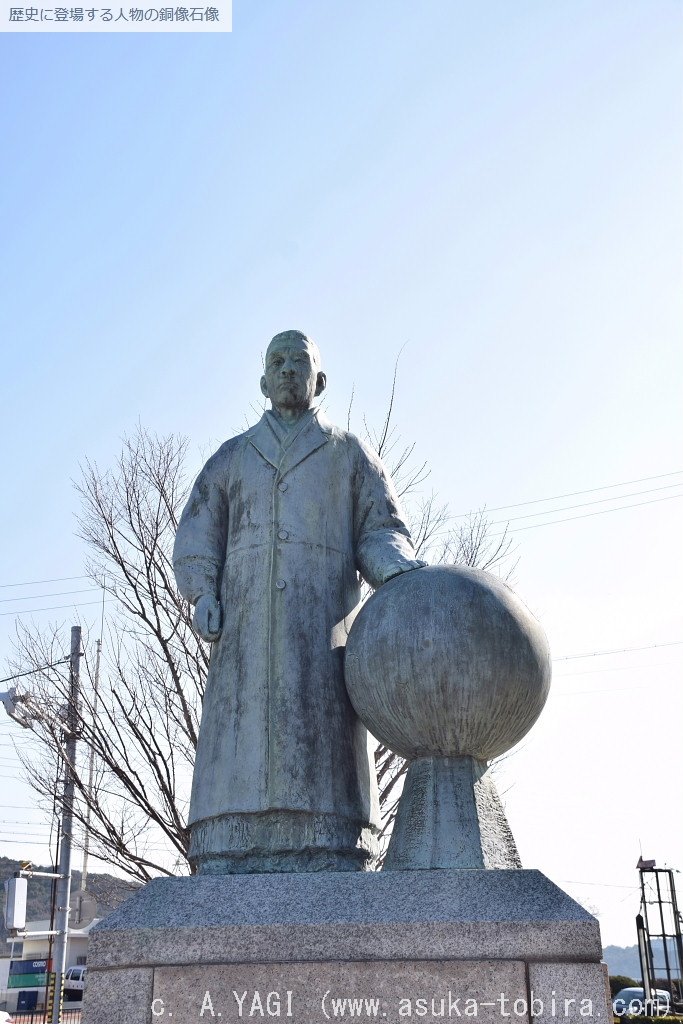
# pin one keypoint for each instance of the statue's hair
(284, 336)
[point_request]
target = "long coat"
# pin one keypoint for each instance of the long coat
(279, 525)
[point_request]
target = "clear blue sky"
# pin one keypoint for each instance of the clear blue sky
(495, 186)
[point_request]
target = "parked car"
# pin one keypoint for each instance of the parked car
(631, 1002)
(74, 983)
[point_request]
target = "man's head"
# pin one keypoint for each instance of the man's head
(293, 378)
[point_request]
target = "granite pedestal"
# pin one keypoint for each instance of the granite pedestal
(503, 946)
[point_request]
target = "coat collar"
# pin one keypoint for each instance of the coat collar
(283, 449)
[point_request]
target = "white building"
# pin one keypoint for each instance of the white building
(35, 955)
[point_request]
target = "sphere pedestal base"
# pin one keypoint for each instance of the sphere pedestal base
(450, 816)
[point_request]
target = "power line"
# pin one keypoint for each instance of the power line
(59, 593)
(618, 650)
(586, 515)
(35, 583)
(606, 885)
(24, 842)
(26, 834)
(611, 689)
(13, 807)
(615, 668)
(52, 608)
(461, 515)
(43, 833)
(10, 821)
(584, 504)
(574, 494)
(32, 671)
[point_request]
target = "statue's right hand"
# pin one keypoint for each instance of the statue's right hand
(207, 617)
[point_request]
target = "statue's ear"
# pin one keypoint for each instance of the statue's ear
(320, 383)
(264, 386)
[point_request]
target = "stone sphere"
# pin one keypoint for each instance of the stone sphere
(447, 661)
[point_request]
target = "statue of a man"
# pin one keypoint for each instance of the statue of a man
(279, 525)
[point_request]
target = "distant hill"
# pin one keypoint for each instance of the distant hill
(106, 889)
(625, 959)
(622, 960)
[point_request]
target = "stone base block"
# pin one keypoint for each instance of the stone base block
(401, 947)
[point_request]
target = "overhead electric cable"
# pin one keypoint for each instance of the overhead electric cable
(611, 689)
(614, 668)
(606, 885)
(26, 831)
(58, 593)
(51, 608)
(461, 515)
(586, 515)
(25, 842)
(34, 583)
(10, 821)
(584, 504)
(574, 494)
(32, 671)
(618, 650)
(13, 807)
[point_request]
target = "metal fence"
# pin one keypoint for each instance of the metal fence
(41, 1017)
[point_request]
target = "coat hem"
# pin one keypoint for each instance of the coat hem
(281, 840)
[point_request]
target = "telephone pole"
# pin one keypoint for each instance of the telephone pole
(22, 709)
(64, 869)
(91, 773)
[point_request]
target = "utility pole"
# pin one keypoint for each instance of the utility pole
(91, 774)
(64, 870)
(22, 708)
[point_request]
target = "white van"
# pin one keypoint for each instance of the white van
(74, 982)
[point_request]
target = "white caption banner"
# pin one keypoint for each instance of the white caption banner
(149, 16)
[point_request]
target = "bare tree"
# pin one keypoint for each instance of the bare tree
(138, 727)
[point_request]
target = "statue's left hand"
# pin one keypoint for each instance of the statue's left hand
(207, 617)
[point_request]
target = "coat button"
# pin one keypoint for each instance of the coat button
(282, 486)
(282, 534)
(280, 584)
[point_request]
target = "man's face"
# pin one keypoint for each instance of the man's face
(292, 378)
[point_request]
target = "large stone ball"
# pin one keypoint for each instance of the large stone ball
(447, 661)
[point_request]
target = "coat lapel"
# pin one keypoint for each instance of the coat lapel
(288, 454)
(311, 437)
(265, 441)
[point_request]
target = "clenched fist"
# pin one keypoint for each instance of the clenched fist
(207, 617)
